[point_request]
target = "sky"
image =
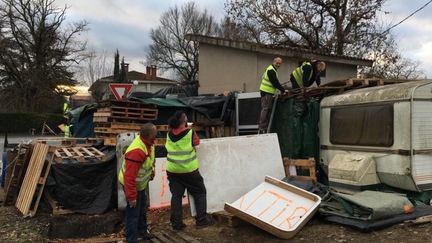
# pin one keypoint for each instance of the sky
(126, 25)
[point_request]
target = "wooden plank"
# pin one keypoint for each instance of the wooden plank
(173, 237)
(69, 154)
(88, 152)
(96, 151)
(150, 118)
(187, 238)
(57, 154)
(77, 151)
(161, 237)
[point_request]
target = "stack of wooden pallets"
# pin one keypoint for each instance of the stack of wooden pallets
(115, 117)
(31, 166)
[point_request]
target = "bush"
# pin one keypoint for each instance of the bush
(25, 122)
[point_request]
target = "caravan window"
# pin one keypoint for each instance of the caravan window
(369, 125)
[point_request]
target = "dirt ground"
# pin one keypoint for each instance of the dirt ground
(13, 228)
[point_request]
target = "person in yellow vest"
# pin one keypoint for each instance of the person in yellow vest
(307, 74)
(137, 169)
(269, 84)
(66, 121)
(182, 170)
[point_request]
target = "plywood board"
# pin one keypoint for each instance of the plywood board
(276, 207)
(232, 166)
(159, 192)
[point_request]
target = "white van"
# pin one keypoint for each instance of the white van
(391, 125)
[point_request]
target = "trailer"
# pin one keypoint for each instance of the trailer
(379, 135)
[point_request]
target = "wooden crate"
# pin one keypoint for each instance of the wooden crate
(305, 164)
(34, 180)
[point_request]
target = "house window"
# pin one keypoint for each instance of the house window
(322, 74)
(368, 125)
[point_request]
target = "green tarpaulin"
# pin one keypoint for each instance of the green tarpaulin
(296, 123)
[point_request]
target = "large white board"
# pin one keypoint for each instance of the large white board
(232, 166)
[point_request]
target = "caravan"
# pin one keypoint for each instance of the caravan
(379, 135)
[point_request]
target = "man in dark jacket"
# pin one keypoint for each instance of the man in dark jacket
(307, 74)
(269, 84)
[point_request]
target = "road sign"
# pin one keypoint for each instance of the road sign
(120, 91)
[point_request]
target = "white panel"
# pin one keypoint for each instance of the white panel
(232, 166)
(422, 169)
(422, 125)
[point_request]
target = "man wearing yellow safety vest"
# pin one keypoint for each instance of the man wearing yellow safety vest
(182, 170)
(307, 74)
(136, 171)
(269, 84)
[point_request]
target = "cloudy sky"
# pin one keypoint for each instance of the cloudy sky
(126, 25)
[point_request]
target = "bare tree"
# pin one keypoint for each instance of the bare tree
(96, 65)
(170, 50)
(389, 63)
(231, 30)
(36, 52)
(342, 27)
(332, 26)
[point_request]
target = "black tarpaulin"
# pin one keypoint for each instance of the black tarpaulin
(85, 187)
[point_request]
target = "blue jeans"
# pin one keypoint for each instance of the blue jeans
(136, 218)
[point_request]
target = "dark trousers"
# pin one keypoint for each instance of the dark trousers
(136, 218)
(266, 106)
(194, 183)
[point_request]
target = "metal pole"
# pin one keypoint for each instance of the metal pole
(272, 113)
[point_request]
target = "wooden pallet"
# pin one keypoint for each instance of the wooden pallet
(81, 154)
(34, 180)
(168, 236)
(110, 103)
(13, 183)
(126, 111)
(57, 209)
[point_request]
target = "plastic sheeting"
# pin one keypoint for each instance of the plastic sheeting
(85, 187)
(296, 123)
(367, 226)
(82, 120)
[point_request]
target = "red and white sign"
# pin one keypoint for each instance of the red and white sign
(120, 91)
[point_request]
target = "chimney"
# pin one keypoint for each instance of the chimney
(148, 70)
(153, 72)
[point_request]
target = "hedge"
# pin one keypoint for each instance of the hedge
(25, 122)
